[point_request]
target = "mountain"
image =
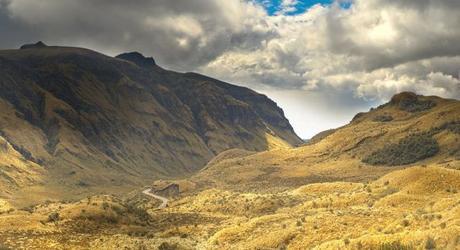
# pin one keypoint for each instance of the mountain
(409, 130)
(389, 179)
(74, 121)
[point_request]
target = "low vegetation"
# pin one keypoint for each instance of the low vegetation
(451, 126)
(409, 150)
(3, 247)
(383, 118)
(53, 217)
(415, 105)
(395, 246)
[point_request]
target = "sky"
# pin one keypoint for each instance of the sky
(321, 61)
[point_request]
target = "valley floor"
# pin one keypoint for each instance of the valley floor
(413, 208)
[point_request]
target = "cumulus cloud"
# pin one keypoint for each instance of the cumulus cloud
(375, 47)
(361, 55)
(181, 34)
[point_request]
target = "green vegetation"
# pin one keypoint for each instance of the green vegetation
(430, 244)
(167, 246)
(3, 247)
(455, 152)
(409, 150)
(383, 118)
(415, 105)
(395, 246)
(53, 217)
(452, 126)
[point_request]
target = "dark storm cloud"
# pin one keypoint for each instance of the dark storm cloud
(12, 31)
(367, 52)
(181, 33)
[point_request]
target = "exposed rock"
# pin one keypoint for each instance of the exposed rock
(138, 59)
(37, 45)
(111, 122)
(411, 102)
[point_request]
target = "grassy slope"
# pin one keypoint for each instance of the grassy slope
(407, 207)
(339, 156)
(320, 196)
(97, 124)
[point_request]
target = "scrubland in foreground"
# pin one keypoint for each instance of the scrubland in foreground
(414, 208)
(346, 189)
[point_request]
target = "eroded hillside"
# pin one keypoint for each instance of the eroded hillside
(409, 130)
(387, 180)
(88, 123)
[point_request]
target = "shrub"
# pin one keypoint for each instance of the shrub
(105, 205)
(455, 152)
(53, 217)
(430, 244)
(140, 213)
(3, 247)
(167, 246)
(383, 118)
(405, 223)
(395, 246)
(452, 126)
(409, 150)
(415, 105)
(82, 183)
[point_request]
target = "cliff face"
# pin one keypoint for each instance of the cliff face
(90, 120)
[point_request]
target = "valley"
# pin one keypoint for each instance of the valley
(75, 122)
(387, 180)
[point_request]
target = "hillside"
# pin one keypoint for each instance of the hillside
(415, 208)
(409, 130)
(74, 121)
(388, 180)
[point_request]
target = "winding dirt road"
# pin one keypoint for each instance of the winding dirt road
(164, 201)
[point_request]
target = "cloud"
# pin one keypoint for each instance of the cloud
(180, 34)
(367, 51)
(376, 47)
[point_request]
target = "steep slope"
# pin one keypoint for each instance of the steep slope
(376, 183)
(90, 121)
(409, 130)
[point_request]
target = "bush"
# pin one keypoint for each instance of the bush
(409, 150)
(105, 205)
(430, 244)
(167, 246)
(395, 246)
(452, 126)
(383, 118)
(53, 217)
(415, 105)
(405, 223)
(3, 247)
(140, 213)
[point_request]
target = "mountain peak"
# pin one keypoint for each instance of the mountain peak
(403, 96)
(39, 44)
(138, 59)
(411, 102)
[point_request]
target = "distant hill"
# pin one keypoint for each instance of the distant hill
(75, 121)
(409, 130)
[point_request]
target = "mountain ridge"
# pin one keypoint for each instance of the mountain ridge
(92, 120)
(408, 130)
